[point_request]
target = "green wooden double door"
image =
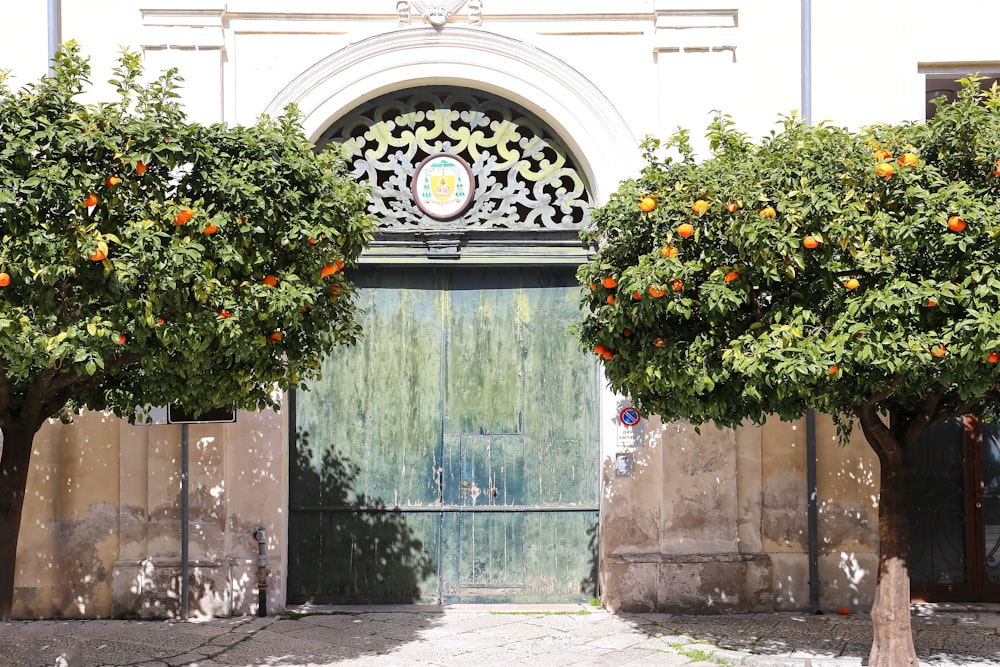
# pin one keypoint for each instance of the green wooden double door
(452, 455)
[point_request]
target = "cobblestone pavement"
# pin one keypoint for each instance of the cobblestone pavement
(484, 636)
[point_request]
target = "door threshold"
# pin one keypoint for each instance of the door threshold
(418, 608)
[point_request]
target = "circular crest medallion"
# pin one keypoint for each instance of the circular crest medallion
(443, 186)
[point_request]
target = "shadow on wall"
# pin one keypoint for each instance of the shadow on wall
(345, 546)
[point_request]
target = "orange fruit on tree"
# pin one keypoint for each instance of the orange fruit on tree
(994, 357)
(611, 299)
(668, 251)
(271, 280)
(656, 291)
(852, 284)
(608, 354)
(659, 342)
(599, 349)
(996, 168)
(275, 338)
(609, 282)
(885, 170)
(810, 242)
(210, 229)
(327, 270)
(636, 295)
(593, 287)
(732, 206)
(4, 279)
(98, 256)
(647, 204)
(883, 154)
(931, 303)
(677, 285)
(91, 200)
(700, 207)
(313, 241)
(160, 321)
(121, 339)
(833, 369)
(685, 230)
(908, 159)
(225, 314)
(183, 216)
(627, 332)
(938, 351)
(768, 212)
(112, 181)
(956, 224)
(140, 168)
(731, 276)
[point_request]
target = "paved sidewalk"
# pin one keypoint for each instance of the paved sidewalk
(497, 635)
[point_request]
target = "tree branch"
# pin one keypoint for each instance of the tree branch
(921, 420)
(37, 393)
(876, 431)
(59, 401)
(64, 380)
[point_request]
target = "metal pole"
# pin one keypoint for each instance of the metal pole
(812, 509)
(807, 60)
(184, 522)
(812, 492)
(55, 31)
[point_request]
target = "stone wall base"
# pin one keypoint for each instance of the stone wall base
(152, 589)
(688, 583)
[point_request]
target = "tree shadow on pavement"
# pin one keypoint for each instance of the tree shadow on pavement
(943, 638)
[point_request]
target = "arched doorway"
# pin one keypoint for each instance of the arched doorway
(453, 454)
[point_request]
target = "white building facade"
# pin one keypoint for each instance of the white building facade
(660, 517)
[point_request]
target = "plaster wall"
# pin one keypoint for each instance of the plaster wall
(713, 522)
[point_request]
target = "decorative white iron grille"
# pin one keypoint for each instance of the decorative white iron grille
(525, 177)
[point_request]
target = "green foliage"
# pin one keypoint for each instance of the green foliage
(786, 335)
(172, 313)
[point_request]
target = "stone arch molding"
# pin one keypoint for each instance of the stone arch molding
(571, 104)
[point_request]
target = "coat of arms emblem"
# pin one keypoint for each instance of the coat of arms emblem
(443, 186)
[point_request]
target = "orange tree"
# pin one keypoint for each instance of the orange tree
(147, 260)
(855, 273)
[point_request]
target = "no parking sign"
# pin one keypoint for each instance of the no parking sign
(629, 416)
(630, 426)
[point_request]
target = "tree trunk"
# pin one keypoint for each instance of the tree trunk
(13, 480)
(892, 645)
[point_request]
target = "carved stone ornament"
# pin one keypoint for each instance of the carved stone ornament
(447, 158)
(437, 12)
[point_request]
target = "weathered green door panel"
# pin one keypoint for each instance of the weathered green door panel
(366, 557)
(561, 416)
(516, 556)
(468, 408)
(485, 380)
(483, 470)
(488, 550)
(381, 400)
